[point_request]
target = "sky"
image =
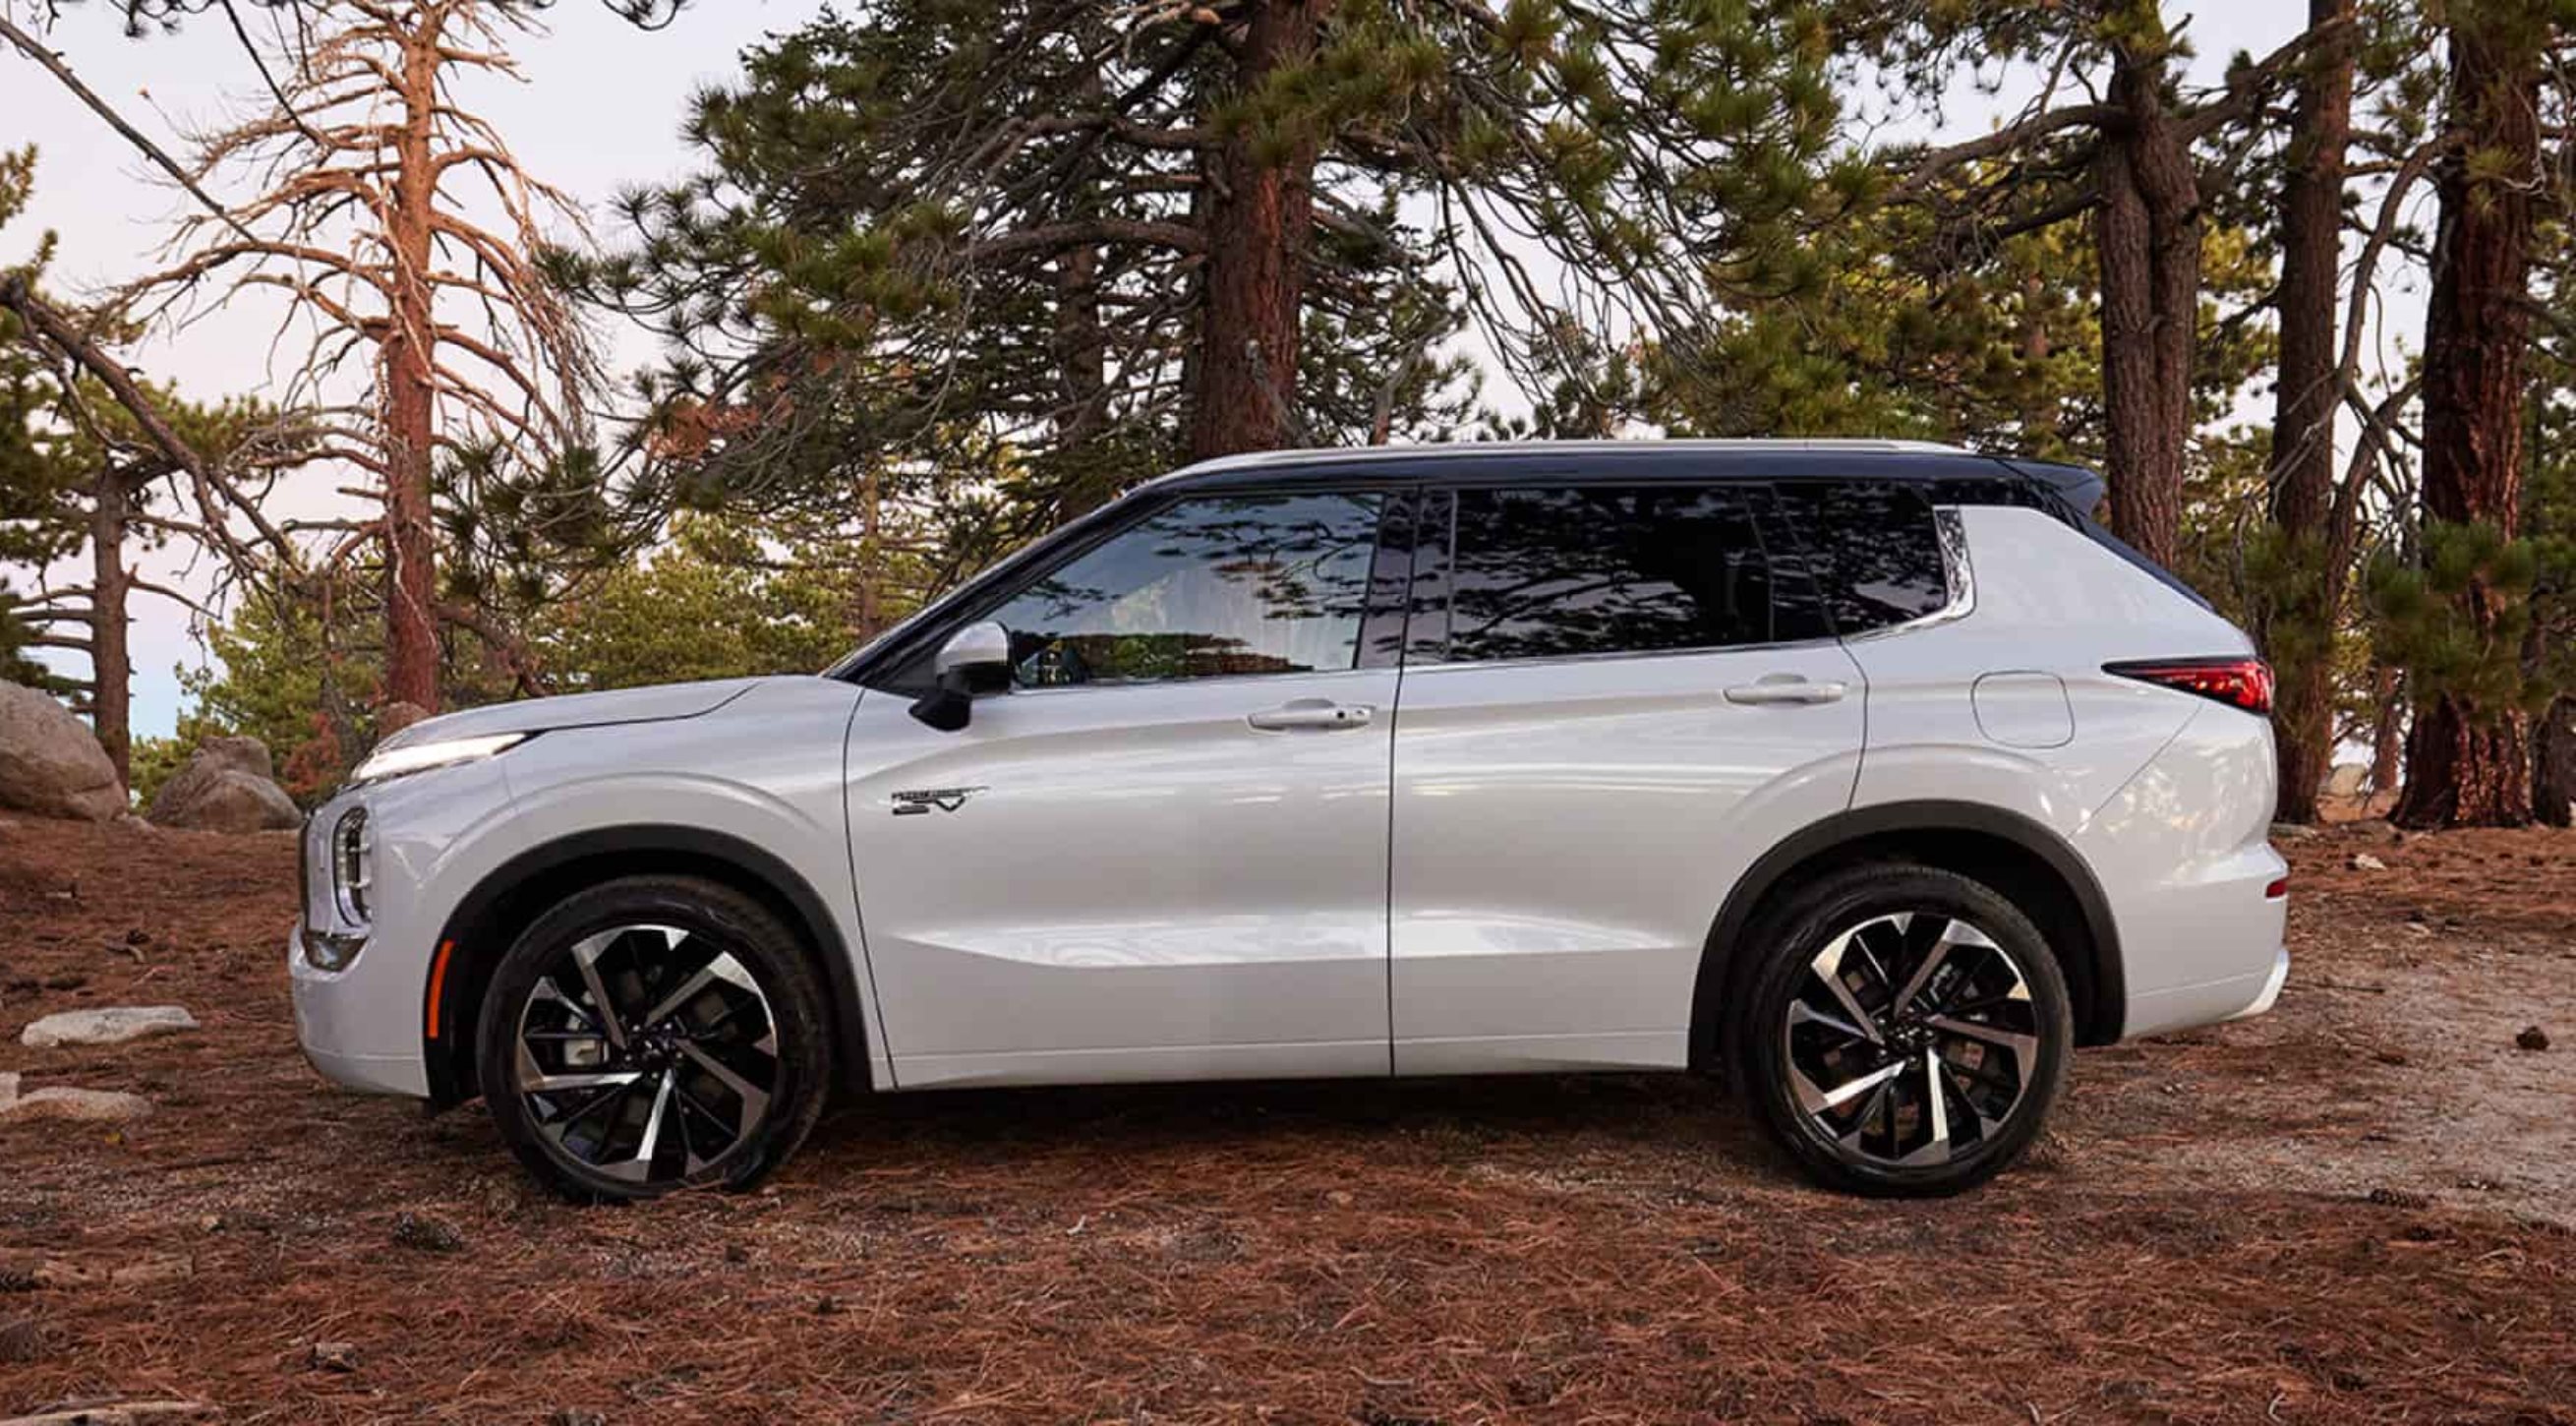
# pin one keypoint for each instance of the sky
(600, 110)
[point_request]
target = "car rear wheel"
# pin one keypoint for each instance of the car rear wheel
(650, 1034)
(1906, 1030)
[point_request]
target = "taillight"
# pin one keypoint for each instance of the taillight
(2238, 683)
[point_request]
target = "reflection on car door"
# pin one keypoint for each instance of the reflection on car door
(1163, 854)
(1613, 700)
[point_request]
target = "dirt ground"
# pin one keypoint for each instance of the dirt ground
(2361, 1208)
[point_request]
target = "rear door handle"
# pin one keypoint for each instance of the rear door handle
(1785, 688)
(1321, 715)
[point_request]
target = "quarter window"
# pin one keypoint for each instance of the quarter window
(1547, 573)
(1877, 552)
(1204, 588)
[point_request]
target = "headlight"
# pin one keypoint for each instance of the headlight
(353, 864)
(420, 757)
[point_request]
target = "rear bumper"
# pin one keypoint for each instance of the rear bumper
(2205, 944)
(2271, 987)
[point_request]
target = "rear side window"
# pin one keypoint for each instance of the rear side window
(1874, 549)
(1550, 573)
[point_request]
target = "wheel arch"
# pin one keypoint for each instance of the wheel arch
(2019, 857)
(483, 925)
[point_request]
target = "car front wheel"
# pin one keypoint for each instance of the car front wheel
(653, 1033)
(1906, 1031)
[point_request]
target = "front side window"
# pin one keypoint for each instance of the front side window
(1548, 573)
(1204, 588)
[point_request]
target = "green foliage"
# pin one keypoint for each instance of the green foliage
(2456, 618)
(713, 603)
(268, 671)
(37, 469)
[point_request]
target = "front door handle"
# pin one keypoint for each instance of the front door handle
(1784, 688)
(1320, 715)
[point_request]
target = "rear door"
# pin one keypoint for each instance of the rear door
(1615, 698)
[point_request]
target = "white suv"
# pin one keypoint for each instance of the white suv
(1871, 773)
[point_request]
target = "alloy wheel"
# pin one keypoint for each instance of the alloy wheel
(647, 1054)
(1911, 1039)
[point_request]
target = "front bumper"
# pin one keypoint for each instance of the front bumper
(346, 1019)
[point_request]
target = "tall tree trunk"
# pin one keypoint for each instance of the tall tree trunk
(409, 354)
(2387, 732)
(1259, 221)
(111, 701)
(1082, 366)
(871, 611)
(2296, 626)
(2147, 232)
(2465, 765)
(2553, 764)
(1081, 349)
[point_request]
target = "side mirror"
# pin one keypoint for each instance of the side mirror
(975, 661)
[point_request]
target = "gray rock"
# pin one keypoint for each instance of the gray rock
(50, 762)
(120, 1413)
(111, 1025)
(84, 1106)
(2346, 779)
(228, 785)
(2364, 861)
(396, 716)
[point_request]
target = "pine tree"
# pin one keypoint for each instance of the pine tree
(2133, 158)
(2468, 755)
(373, 211)
(1108, 239)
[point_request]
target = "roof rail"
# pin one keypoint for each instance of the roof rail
(1461, 449)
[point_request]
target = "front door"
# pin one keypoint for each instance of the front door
(1163, 854)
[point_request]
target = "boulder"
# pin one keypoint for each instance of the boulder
(227, 786)
(113, 1025)
(396, 716)
(2346, 779)
(50, 762)
(87, 1106)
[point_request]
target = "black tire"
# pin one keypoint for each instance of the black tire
(746, 1064)
(1928, 1110)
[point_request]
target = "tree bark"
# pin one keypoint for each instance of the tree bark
(1081, 344)
(409, 352)
(110, 585)
(2467, 765)
(2387, 733)
(1258, 226)
(2553, 764)
(2147, 231)
(2295, 627)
